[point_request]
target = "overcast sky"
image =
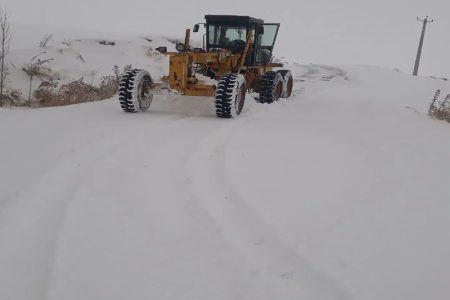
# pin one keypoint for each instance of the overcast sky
(373, 32)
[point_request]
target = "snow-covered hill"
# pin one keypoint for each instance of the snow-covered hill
(83, 57)
(340, 192)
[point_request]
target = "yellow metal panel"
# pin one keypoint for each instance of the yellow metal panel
(178, 72)
(246, 49)
(200, 90)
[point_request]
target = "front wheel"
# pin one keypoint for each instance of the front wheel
(230, 95)
(135, 91)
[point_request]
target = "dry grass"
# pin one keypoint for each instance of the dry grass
(440, 109)
(108, 86)
(43, 43)
(107, 43)
(12, 98)
(38, 69)
(48, 93)
(75, 92)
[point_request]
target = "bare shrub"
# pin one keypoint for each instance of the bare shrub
(108, 86)
(78, 92)
(67, 43)
(432, 106)
(107, 43)
(80, 57)
(5, 39)
(47, 93)
(74, 92)
(443, 112)
(116, 72)
(440, 109)
(12, 98)
(16, 95)
(37, 68)
(43, 43)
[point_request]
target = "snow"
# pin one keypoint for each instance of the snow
(340, 192)
(84, 57)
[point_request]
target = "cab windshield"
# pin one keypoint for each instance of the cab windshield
(221, 36)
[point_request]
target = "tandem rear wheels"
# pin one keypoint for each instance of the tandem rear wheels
(275, 85)
(231, 91)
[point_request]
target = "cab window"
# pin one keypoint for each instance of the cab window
(223, 36)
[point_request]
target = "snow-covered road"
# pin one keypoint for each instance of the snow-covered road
(338, 193)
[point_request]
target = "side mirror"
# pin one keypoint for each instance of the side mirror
(161, 49)
(196, 27)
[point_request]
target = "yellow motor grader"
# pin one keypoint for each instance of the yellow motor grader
(236, 58)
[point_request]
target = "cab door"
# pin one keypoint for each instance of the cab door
(265, 41)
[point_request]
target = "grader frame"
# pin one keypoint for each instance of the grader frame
(236, 57)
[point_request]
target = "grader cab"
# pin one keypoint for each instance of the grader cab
(236, 58)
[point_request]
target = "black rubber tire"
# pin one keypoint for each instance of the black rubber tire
(230, 95)
(135, 91)
(271, 87)
(288, 83)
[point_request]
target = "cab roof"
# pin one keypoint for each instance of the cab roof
(232, 20)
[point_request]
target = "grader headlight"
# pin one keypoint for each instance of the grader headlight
(161, 49)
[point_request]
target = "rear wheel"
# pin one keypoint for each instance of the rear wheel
(271, 87)
(230, 95)
(135, 91)
(288, 83)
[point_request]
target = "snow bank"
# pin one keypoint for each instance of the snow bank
(84, 57)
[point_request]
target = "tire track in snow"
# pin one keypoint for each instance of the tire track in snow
(186, 209)
(316, 73)
(274, 260)
(39, 212)
(125, 141)
(320, 73)
(40, 215)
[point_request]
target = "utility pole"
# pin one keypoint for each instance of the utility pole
(422, 37)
